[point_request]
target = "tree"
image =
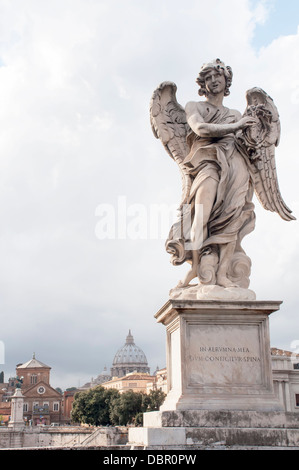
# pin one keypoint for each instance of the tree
(154, 400)
(93, 406)
(126, 407)
(100, 407)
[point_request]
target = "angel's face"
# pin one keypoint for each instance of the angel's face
(215, 81)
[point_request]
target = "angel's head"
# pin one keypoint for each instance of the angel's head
(220, 67)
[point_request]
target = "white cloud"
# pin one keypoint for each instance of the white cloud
(262, 10)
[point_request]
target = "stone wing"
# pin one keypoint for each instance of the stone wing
(258, 143)
(169, 124)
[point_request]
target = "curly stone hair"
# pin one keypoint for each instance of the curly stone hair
(217, 65)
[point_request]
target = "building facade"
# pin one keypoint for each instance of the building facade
(42, 403)
(135, 381)
(285, 367)
(67, 405)
(160, 382)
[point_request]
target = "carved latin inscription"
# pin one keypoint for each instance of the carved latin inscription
(224, 355)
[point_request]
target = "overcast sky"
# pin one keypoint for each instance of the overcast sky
(76, 78)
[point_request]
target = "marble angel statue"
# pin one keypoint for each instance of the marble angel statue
(223, 158)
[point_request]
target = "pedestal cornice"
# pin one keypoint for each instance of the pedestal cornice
(174, 307)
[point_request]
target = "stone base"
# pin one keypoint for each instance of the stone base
(218, 355)
(219, 376)
(198, 429)
(16, 425)
(219, 419)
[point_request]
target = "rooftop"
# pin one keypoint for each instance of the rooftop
(282, 352)
(132, 376)
(33, 364)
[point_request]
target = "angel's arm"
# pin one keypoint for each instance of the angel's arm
(204, 129)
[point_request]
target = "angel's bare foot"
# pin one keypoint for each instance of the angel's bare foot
(191, 274)
(223, 281)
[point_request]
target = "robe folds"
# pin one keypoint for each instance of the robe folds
(232, 215)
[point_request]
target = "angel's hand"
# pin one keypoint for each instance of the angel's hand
(246, 121)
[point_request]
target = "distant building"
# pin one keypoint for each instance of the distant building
(135, 381)
(5, 407)
(129, 358)
(285, 367)
(101, 378)
(7, 389)
(67, 405)
(42, 403)
(160, 382)
(5, 410)
(104, 376)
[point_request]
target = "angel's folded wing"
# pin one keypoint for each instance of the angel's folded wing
(169, 124)
(258, 143)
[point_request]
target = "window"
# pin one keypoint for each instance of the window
(296, 366)
(25, 407)
(33, 379)
(56, 406)
(35, 407)
(297, 399)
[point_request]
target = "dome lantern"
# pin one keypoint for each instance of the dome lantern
(130, 339)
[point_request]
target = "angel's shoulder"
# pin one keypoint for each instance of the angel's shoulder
(236, 113)
(193, 107)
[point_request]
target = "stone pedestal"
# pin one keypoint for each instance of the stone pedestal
(218, 355)
(17, 414)
(218, 368)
